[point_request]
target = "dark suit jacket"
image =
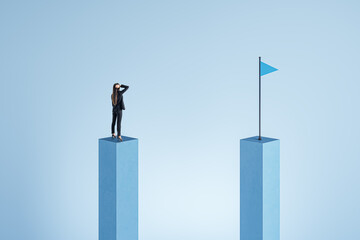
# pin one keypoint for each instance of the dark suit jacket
(120, 101)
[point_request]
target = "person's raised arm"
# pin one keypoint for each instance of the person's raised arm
(125, 88)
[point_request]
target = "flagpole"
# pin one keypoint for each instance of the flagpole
(259, 98)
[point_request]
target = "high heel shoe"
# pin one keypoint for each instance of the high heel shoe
(120, 138)
(113, 135)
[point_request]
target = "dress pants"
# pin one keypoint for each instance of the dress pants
(116, 117)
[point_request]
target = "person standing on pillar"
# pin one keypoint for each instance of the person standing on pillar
(118, 105)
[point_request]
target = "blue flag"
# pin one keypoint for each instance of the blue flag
(265, 69)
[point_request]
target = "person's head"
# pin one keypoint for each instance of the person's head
(116, 87)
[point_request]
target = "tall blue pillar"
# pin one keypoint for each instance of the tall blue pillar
(118, 189)
(259, 189)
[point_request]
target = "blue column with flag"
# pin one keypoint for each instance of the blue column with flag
(260, 181)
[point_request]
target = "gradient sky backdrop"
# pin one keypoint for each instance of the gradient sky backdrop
(192, 68)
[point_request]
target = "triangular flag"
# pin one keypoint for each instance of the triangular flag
(265, 69)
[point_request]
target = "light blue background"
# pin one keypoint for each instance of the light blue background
(192, 70)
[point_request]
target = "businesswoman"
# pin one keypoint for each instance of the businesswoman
(118, 105)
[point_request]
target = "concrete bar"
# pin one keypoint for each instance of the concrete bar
(259, 189)
(118, 189)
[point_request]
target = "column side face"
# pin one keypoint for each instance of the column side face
(127, 190)
(107, 190)
(271, 190)
(251, 190)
